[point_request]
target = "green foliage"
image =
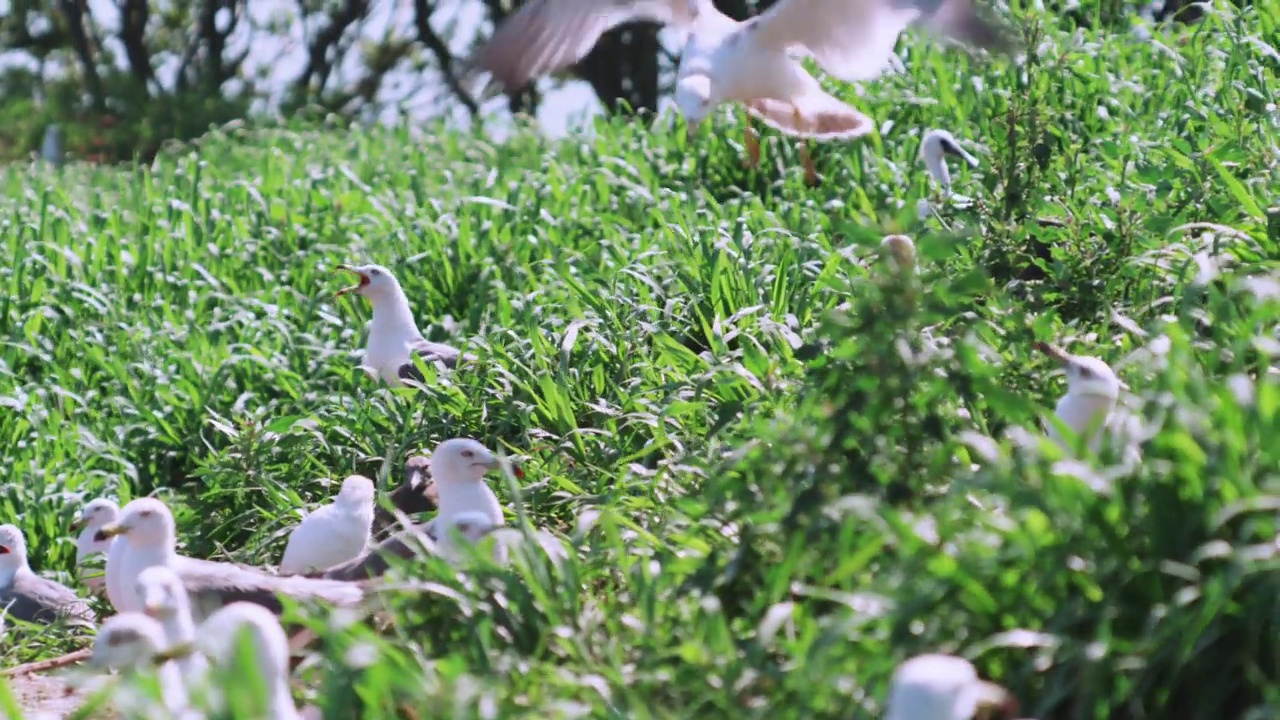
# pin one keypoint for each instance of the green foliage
(782, 462)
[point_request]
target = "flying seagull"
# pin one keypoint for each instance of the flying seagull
(148, 525)
(755, 63)
(28, 597)
(945, 687)
(394, 337)
(93, 516)
(333, 533)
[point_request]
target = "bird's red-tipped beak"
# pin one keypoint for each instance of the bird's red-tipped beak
(364, 280)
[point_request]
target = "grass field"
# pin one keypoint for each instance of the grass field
(802, 465)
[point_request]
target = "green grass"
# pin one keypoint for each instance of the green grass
(794, 491)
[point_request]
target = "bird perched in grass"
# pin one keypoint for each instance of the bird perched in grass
(132, 643)
(333, 533)
(255, 628)
(93, 516)
(165, 599)
(1093, 389)
(755, 63)
(29, 597)
(394, 338)
(934, 148)
(946, 687)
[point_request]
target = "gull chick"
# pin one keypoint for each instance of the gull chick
(165, 599)
(29, 597)
(132, 643)
(934, 148)
(148, 524)
(945, 687)
(1093, 390)
(755, 63)
(394, 337)
(93, 516)
(334, 533)
(417, 494)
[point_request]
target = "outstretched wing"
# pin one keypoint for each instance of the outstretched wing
(854, 39)
(545, 36)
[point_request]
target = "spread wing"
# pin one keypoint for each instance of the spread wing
(545, 36)
(212, 585)
(854, 39)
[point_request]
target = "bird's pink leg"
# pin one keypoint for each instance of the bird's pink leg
(753, 144)
(810, 172)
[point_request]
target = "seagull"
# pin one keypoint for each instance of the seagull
(393, 333)
(131, 643)
(28, 597)
(93, 516)
(148, 525)
(417, 494)
(755, 63)
(944, 687)
(165, 599)
(458, 468)
(471, 526)
(1093, 389)
(334, 533)
(934, 148)
(220, 638)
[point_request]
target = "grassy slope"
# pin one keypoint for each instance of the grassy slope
(779, 524)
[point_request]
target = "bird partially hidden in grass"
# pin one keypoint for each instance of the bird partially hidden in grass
(133, 644)
(1093, 391)
(756, 63)
(332, 534)
(946, 687)
(165, 599)
(934, 149)
(417, 494)
(394, 338)
(93, 516)
(28, 597)
(148, 525)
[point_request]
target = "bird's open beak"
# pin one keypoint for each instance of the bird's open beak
(995, 702)
(1055, 352)
(364, 280)
(111, 530)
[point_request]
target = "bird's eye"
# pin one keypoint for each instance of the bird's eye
(468, 453)
(375, 273)
(1086, 373)
(147, 513)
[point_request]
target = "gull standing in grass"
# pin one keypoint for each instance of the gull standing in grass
(165, 599)
(132, 643)
(394, 338)
(755, 63)
(934, 148)
(26, 596)
(148, 524)
(93, 516)
(945, 687)
(334, 533)
(221, 636)
(1087, 408)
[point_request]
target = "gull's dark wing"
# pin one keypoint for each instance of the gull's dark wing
(35, 599)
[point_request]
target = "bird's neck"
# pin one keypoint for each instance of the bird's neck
(1084, 414)
(161, 554)
(281, 700)
(460, 497)
(391, 314)
(9, 572)
(180, 627)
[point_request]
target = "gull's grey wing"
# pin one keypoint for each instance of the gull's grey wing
(212, 585)
(854, 39)
(35, 599)
(545, 36)
(374, 562)
(446, 355)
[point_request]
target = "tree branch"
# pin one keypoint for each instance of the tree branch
(444, 58)
(75, 11)
(133, 30)
(318, 47)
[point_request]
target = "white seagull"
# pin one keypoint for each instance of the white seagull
(148, 524)
(165, 599)
(944, 687)
(131, 643)
(333, 533)
(27, 596)
(934, 148)
(394, 337)
(220, 637)
(755, 63)
(1093, 389)
(93, 516)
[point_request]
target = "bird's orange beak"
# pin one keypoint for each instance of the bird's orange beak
(364, 280)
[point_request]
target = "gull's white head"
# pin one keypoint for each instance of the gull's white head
(461, 460)
(357, 490)
(95, 514)
(146, 522)
(375, 282)
(13, 550)
(944, 687)
(693, 97)
(1086, 376)
(127, 641)
(162, 593)
(934, 148)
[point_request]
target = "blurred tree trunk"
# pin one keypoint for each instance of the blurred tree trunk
(623, 69)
